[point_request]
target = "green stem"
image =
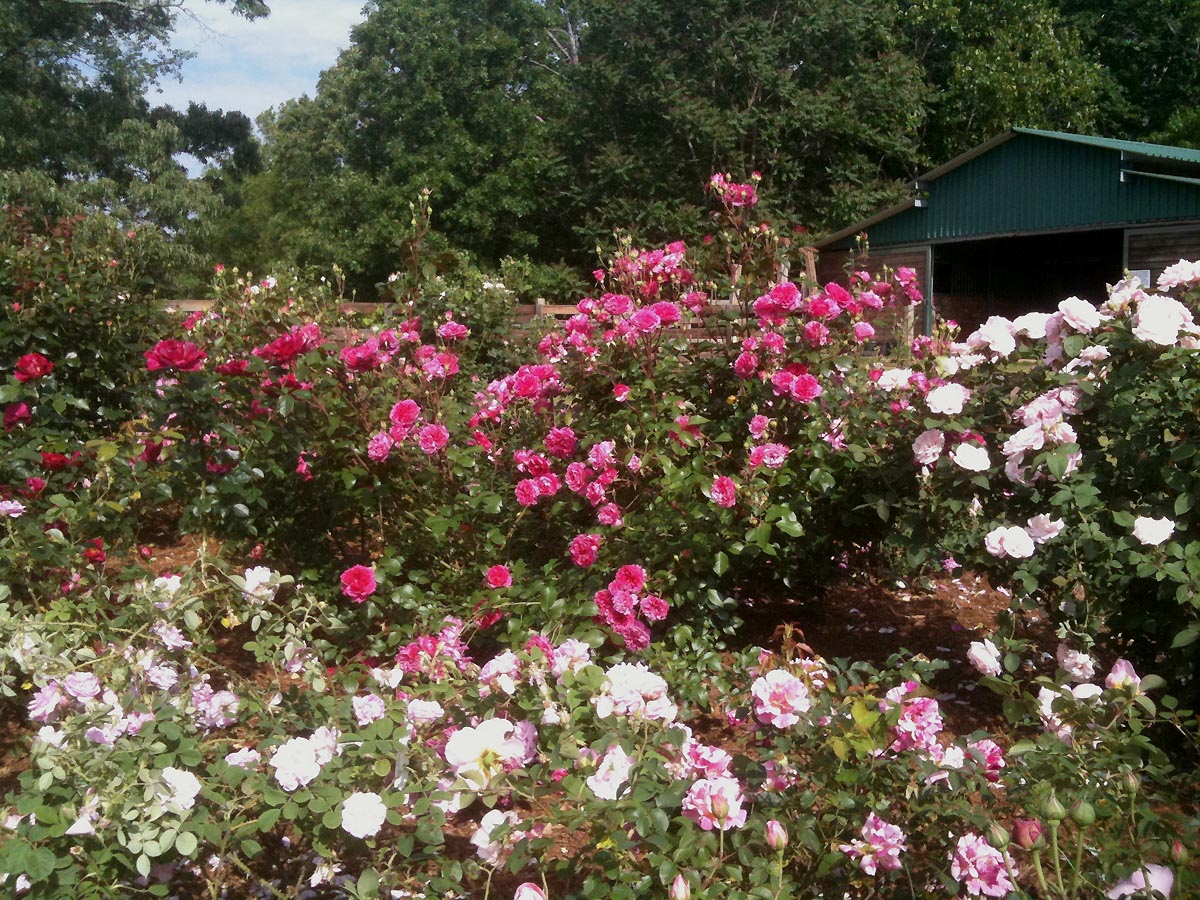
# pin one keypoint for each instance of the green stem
(1041, 876)
(249, 874)
(1062, 890)
(1077, 873)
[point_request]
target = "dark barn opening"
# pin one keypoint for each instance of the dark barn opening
(1032, 273)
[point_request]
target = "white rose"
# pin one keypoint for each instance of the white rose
(363, 814)
(985, 657)
(971, 457)
(1152, 532)
(948, 399)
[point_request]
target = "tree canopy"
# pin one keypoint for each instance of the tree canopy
(540, 127)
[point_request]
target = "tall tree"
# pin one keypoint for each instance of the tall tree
(437, 94)
(818, 95)
(1151, 49)
(995, 64)
(78, 135)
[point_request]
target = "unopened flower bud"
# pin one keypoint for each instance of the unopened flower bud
(777, 836)
(1179, 853)
(1027, 833)
(1082, 813)
(680, 889)
(720, 809)
(1053, 810)
(1131, 782)
(997, 836)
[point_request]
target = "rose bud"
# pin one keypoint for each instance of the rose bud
(1082, 813)
(680, 889)
(1053, 810)
(777, 836)
(1179, 853)
(998, 836)
(1027, 833)
(1131, 781)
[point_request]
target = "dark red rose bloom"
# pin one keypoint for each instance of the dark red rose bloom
(54, 462)
(233, 367)
(180, 356)
(32, 366)
(95, 553)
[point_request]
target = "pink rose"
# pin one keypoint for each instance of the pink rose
(499, 577)
(433, 438)
(724, 491)
(181, 356)
(358, 583)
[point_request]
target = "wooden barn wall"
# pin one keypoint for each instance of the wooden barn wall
(1157, 248)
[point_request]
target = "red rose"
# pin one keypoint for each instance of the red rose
(182, 356)
(54, 462)
(358, 583)
(32, 366)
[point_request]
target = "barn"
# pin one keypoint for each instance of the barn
(1028, 218)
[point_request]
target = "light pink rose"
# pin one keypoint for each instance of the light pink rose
(778, 698)
(1042, 528)
(1012, 542)
(928, 447)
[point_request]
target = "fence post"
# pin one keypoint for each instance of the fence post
(539, 307)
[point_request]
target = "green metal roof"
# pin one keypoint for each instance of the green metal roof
(1026, 181)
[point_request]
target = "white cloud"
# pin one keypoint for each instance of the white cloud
(253, 65)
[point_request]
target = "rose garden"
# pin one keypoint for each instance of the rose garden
(454, 608)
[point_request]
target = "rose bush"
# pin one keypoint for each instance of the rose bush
(480, 592)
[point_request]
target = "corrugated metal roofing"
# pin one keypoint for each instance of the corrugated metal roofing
(1027, 181)
(1161, 151)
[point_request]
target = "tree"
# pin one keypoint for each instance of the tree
(820, 96)
(995, 64)
(440, 95)
(77, 135)
(1151, 50)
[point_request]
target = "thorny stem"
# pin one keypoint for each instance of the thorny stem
(1041, 876)
(271, 889)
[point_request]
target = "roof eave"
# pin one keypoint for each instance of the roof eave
(910, 203)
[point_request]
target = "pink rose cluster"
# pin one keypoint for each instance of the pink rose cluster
(404, 421)
(434, 655)
(378, 350)
(879, 848)
(1015, 542)
(732, 194)
(626, 607)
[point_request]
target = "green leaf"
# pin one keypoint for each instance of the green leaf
(720, 563)
(1184, 638)
(186, 843)
(368, 884)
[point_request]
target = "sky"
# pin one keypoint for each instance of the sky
(251, 66)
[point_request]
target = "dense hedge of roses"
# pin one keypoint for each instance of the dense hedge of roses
(491, 640)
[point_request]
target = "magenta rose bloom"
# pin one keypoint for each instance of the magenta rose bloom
(499, 577)
(358, 583)
(31, 367)
(180, 356)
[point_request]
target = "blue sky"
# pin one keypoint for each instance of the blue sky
(251, 66)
